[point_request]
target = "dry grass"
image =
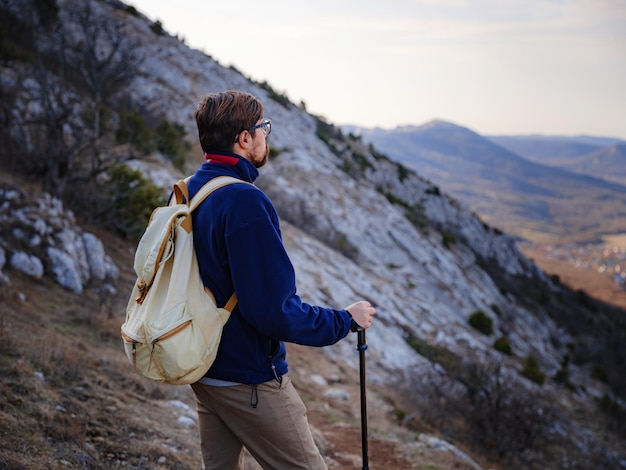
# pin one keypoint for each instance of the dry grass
(68, 398)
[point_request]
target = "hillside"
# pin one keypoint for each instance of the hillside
(477, 358)
(604, 159)
(546, 151)
(538, 202)
(608, 163)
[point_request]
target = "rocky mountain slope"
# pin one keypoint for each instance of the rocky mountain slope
(472, 341)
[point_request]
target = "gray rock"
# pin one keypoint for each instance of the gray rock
(96, 256)
(28, 264)
(65, 270)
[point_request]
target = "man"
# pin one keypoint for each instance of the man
(246, 398)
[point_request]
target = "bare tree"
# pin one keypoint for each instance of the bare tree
(105, 63)
(483, 405)
(64, 96)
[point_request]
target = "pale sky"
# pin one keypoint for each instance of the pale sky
(554, 67)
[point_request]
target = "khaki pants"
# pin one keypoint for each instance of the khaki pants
(276, 432)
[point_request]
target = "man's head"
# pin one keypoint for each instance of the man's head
(229, 121)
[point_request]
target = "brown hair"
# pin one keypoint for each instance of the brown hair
(221, 116)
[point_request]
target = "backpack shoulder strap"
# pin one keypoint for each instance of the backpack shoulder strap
(209, 187)
(230, 305)
(181, 194)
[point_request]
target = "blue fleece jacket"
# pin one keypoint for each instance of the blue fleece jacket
(239, 248)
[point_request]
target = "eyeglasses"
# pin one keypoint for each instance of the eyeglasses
(265, 126)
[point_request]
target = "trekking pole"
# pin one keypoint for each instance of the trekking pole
(361, 347)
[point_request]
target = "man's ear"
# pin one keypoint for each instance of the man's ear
(244, 140)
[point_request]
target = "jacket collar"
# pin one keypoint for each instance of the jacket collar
(243, 168)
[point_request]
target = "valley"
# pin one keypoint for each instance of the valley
(598, 269)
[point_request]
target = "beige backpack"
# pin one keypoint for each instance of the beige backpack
(173, 325)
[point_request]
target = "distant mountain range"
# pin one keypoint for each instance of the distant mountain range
(544, 189)
(601, 157)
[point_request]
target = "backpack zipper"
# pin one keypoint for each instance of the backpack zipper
(172, 332)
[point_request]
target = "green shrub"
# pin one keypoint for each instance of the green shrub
(355, 137)
(434, 191)
(531, 370)
(403, 172)
(446, 358)
(495, 309)
(274, 152)
(344, 247)
(399, 414)
(599, 373)
(362, 161)
(169, 138)
(448, 239)
(346, 168)
(135, 197)
(324, 131)
(133, 130)
(416, 214)
(132, 11)
(280, 98)
(480, 321)
(157, 28)
(502, 344)
(393, 199)
(562, 375)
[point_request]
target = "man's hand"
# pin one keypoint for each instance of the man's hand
(362, 313)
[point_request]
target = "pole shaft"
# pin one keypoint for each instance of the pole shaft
(362, 346)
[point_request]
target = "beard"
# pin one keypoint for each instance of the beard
(258, 163)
